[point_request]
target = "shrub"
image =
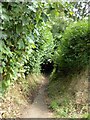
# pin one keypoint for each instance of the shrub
(73, 54)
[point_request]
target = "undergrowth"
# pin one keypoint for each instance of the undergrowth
(69, 96)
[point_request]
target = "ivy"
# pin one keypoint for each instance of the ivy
(26, 40)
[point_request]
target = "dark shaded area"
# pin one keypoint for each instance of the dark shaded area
(47, 67)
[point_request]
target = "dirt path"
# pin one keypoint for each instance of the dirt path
(39, 108)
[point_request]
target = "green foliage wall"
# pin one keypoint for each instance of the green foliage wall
(74, 51)
(25, 39)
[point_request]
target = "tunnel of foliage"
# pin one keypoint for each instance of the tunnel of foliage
(39, 36)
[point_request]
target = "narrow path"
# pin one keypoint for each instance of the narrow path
(39, 108)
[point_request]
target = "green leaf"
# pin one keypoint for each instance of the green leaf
(32, 8)
(21, 44)
(30, 40)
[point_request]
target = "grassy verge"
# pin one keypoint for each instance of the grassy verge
(19, 95)
(69, 95)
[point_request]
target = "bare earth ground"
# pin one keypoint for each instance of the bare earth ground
(39, 108)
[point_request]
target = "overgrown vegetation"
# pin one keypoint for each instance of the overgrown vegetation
(39, 32)
(69, 95)
(74, 48)
(68, 82)
(26, 40)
